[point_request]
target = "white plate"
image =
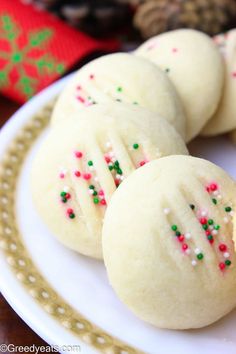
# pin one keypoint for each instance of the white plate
(78, 284)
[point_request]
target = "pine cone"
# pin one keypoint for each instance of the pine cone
(97, 18)
(211, 16)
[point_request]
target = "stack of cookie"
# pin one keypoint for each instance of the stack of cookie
(105, 184)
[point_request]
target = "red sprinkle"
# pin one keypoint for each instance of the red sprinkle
(67, 196)
(208, 189)
(81, 99)
(203, 221)
(174, 50)
(222, 247)
(181, 238)
(107, 159)
(101, 192)
(78, 87)
(221, 266)
(184, 247)
(234, 74)
(142, 163)
(69, 211)
(61, 175)
(213, 187)
(77, 173)
(103, 202)
(117, 181)
(211, 240)
(208, 232)
(78, 154)
(91, 76)
(87, 176)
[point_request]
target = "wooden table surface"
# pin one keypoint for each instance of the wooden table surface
(12, 329)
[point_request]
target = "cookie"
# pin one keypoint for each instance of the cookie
(224, 119)
(125, 78)
(194, 65)
(168, 246)
(83, 161)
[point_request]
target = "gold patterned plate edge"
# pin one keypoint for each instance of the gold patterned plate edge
(17, 255)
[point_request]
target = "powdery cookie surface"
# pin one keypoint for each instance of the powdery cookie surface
(224, 119)
(167, 242)
(194, 65)
(81, 163)
(121, 77)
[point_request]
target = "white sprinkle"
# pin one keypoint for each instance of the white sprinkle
(211, 227)
(231, 213)
(118, 176)
(113, 159)
(108, 144)
(188, 235)
(96, 179)
(215, 193)
(194, 263)
(226, 220)
(203, 213)
(219, 197)
(188, 251)
(166, 211)
(122, 178)
(214, 232)
(197, 251)
(111, 153)
(226, 254)
(66, 189)
(90, 191)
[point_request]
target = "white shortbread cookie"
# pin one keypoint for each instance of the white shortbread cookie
(167, 242)
(194, 65)
(122, 77)
(82, 161)
(224, 119)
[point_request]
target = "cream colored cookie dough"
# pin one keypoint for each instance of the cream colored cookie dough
(121, 77)
(83, 161)
(194, 65)
(224, 119)
(167, 243)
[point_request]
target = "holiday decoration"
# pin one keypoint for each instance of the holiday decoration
(36, 48)
(211, 16)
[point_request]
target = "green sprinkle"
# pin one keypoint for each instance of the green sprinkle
(135, 102)
(110, 167)
(90, 163)
(214, 201)
(119, 89)
(91, 186)
(167, 70)
(95, 193)
(200, 256)
(118, 100)
(217, 227)
(95, 200)
(178, 233)
(227, 262)
(119, 171)
(228, 209)
(63, 194)
(210, 222)
(72, 215)
(116, 163)
(192, 206)
(174, 227)
(205, 226)
(210, 237)
(64, 200)
(136, 146)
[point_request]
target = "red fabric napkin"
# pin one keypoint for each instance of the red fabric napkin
(36, 48)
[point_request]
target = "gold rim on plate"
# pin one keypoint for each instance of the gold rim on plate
(17, 256)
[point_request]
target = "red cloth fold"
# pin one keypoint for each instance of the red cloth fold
(36, 48)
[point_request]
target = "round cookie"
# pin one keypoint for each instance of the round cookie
(224, 119)
(121, 77)
(168, 247)
(83, 161)
(194, 65)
